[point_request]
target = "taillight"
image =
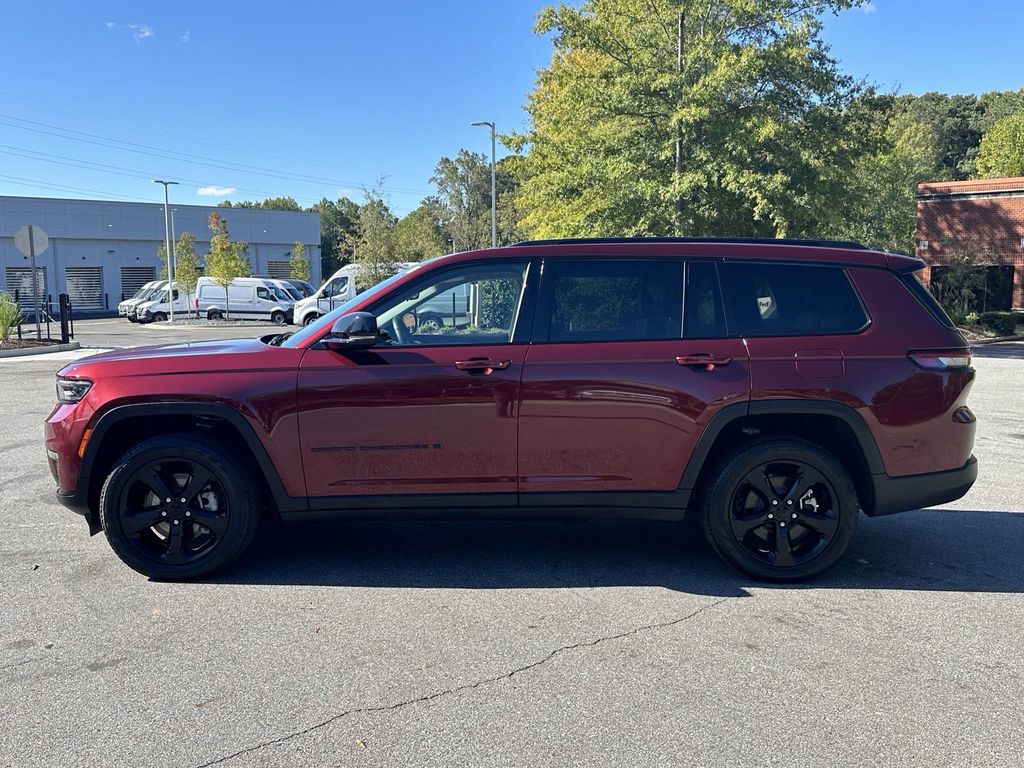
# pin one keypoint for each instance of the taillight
(941, 360)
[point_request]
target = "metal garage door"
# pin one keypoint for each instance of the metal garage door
(133, 278)
(85, 286)
(281, 270)
(19, 283)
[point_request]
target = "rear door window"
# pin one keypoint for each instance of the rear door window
(629, 300)
(772, 299)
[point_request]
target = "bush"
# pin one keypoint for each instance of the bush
(1001, 323)
(10, 316)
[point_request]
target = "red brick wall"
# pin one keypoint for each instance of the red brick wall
(985, 216)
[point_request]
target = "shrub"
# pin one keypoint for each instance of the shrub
(10, 316)
(1002, 323)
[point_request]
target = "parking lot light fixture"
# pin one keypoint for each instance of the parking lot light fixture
(170, 253)
(494, 196)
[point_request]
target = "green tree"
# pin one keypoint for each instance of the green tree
(689, 117)
(884, 183)
(463, 199)
(373, 244)
(299, 264)
(270, 204)
(1002, 149)
(419, 235)
(337, 230)
(226, 260)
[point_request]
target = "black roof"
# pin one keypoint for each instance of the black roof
(848, 244)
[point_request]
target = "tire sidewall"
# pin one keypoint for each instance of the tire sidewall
(717, 509)
(232, 479)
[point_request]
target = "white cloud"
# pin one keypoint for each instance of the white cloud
(869, 7)
(186, 37)
(139, 32)
(214, 191)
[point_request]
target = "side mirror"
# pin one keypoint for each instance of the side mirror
(357, 330)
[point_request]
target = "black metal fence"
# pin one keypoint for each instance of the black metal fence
(65, 320)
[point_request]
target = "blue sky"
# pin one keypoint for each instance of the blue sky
(324, 99)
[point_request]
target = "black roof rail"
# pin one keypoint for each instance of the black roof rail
(849, 244)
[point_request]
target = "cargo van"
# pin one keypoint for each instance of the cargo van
(158, 307)
(145, 293)
(336, 290)
(246, 298)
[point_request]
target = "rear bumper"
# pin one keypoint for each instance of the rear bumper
(901, 494)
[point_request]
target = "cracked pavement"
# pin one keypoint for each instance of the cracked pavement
(498, 644)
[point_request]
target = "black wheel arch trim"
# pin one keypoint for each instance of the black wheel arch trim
(732, 413)
(79, 501)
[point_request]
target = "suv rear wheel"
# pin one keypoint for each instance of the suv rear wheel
(179, 506)
(780, 510)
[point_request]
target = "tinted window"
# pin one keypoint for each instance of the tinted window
(793, 300)
(615, 300)
(464, 306)
(704, 313)
(925, 297)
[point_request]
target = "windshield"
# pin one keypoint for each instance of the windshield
(143, 291)
(327, 320)
(281, 294)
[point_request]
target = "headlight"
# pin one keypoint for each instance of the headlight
(72, 390)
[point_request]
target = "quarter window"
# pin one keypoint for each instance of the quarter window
(615, 300)
(793, 300)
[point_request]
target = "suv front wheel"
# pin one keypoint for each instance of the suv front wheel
(179, 506)
(780, 510)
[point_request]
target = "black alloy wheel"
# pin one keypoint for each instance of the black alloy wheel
(179, 506)
(173, 511)
(784, 513)
(781, 510)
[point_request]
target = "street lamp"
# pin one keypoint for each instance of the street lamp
(494, 194)
(170, 253)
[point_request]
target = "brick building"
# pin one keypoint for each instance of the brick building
(984, 216)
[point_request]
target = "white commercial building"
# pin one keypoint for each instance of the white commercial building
(101, 252)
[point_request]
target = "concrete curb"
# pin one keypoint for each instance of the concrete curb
(30, 351)
(999, 340)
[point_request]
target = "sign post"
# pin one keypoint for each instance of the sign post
(32, 241)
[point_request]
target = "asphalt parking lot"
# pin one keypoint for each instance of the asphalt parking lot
(512, 644)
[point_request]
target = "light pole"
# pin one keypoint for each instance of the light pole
(494, 186)
(170, 253)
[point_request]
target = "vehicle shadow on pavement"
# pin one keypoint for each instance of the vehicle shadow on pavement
(941, 550)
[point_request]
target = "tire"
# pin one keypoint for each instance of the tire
(429, 324)
(214, 314)
(311, 318)
(131, 319)
(224, 509)
(278, 318)
(759, 521)
(159, 317)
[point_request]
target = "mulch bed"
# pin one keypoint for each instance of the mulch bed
(15, 343)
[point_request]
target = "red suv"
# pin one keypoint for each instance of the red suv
(775, 389)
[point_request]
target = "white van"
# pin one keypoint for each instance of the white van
(336, 290)
(158, 307)
(145, 293)
(246, 298)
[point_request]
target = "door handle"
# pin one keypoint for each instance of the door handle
(704, 361)
(482, 365)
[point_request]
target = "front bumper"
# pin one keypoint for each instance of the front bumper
(901, 494)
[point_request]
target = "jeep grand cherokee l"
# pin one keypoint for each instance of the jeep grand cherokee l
(773, 389)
